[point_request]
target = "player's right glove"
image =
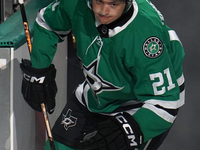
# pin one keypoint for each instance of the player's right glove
(38, 86)
(120, 132)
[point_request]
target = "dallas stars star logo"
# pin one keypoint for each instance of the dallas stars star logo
(96, 82)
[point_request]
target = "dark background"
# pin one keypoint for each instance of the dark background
(183, 17)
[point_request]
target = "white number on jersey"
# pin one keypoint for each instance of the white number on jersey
(158, 86)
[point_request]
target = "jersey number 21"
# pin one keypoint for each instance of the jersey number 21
(158, 86)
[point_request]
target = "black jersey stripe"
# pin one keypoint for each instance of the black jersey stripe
(173, 112)
(182, 87)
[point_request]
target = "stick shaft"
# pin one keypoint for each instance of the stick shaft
(26, 27)
(48, 128)
(28, 38)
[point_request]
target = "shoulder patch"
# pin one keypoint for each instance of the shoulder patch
(153, 47)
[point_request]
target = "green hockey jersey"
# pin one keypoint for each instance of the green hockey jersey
(132, 64)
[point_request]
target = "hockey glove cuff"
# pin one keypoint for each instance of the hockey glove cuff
(39, 86)
(120, 132)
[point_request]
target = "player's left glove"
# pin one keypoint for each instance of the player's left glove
(120, 132)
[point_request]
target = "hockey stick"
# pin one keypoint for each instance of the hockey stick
(25, 23)
(28, 38)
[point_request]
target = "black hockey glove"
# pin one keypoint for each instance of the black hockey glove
(39, 86)
(120, 132)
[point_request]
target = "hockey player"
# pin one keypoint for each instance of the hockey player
(132, 62)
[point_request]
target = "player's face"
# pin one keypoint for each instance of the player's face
(108, 11)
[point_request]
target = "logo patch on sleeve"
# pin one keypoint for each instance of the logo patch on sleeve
(153, 47)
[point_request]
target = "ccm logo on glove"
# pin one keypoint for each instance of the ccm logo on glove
(32, 78)
(38, 86)
(128, 130)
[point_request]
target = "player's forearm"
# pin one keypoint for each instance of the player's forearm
(48, 31)
(44, 47)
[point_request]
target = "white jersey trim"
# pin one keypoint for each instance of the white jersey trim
(173, 36)
(113, 32)
(41, 21)
(168, 103)
(78, 93)
(82, 91)
(116, 30)
(160, 112)
(181, 80)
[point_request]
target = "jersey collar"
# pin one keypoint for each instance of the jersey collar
(120, 24)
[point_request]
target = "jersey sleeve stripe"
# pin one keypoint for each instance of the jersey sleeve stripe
(168, 104)
(173, 112)
(173, 36)
(165, 104)
(41, 22)
(160, 112)
(181, 80)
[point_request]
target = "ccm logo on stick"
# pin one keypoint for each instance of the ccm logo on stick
(128, 130)
(33, 79)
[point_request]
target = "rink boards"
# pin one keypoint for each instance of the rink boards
(21, 127)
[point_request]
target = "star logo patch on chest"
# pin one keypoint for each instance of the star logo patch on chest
(96, 82)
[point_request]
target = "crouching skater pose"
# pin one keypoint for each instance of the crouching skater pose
(132, 63)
